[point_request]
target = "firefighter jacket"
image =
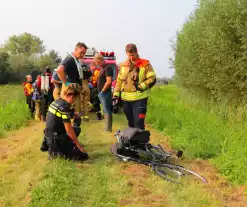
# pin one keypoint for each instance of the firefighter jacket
(28, 88)
(134, 81)
(95, 77)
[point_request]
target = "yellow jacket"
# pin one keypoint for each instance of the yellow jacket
(28, 88)
(133, 81)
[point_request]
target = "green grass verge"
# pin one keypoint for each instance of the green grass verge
(13, 108)
(105, 181)
(200, 133)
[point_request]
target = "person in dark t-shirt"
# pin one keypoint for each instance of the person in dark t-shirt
(104, 88)
(70, 71)
(60, 136)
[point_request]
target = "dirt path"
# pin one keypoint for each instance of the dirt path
(22, 167)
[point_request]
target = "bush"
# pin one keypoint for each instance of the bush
(210, 51)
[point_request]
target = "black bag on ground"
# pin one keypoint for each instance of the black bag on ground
(136, 135)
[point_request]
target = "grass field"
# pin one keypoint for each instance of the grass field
(13, 109)
(27, 178)
(199, 133)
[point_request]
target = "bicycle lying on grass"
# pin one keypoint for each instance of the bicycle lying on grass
(133, 145)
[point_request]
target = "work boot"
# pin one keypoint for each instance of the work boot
(44, 147)
(98, 116)
(85, 118)
(108, 122)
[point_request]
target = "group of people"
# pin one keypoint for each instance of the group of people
(71, 93)
(39, 94)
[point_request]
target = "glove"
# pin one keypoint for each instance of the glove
(67, 83)
(138, 88)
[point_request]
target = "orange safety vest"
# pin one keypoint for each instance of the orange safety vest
(95, 77)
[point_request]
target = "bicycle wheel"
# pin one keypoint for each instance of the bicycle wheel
(176, 173)
(159, 153)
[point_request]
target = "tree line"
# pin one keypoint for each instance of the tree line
(211, 51)
(23, 54)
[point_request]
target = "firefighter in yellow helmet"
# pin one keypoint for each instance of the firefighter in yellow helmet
(135, 78)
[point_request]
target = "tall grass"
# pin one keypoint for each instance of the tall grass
(201, 133)
(13, 109)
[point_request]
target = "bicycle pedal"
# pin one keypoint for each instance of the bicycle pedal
(125, 159)
(179, 153)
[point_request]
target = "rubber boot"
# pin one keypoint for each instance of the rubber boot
(98, 116)
(108, 122)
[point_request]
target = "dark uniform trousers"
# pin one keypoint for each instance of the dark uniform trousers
(46, 100)
(31, 104)
(62, 146)
(135, 112)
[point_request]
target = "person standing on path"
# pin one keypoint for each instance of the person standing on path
(46, 89)
(94, 91)
(58, 85)
(70, 71)
(104, 88)
(36, 97)
(85, 94)
(135, 78)
(28, 91)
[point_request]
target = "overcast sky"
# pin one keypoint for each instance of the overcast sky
(104, 24)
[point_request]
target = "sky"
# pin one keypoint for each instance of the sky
(103, 24)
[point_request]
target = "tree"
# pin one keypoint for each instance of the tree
(211, 51)
(4, 66)
(26, 44)
(54, 55)
(21, 65)
(46, 61)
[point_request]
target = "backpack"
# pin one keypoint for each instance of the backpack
(45, 83)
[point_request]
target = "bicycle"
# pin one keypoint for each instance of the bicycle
(142, 152)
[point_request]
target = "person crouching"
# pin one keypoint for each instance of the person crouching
(60, 136)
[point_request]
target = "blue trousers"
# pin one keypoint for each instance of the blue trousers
(106, 101)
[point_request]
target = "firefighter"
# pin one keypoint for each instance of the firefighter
(85, 94)
(135, 78)
(57, 85)
(28, 91)
(70, 71)
(94, 91)
(46, 88)
(60, 136)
